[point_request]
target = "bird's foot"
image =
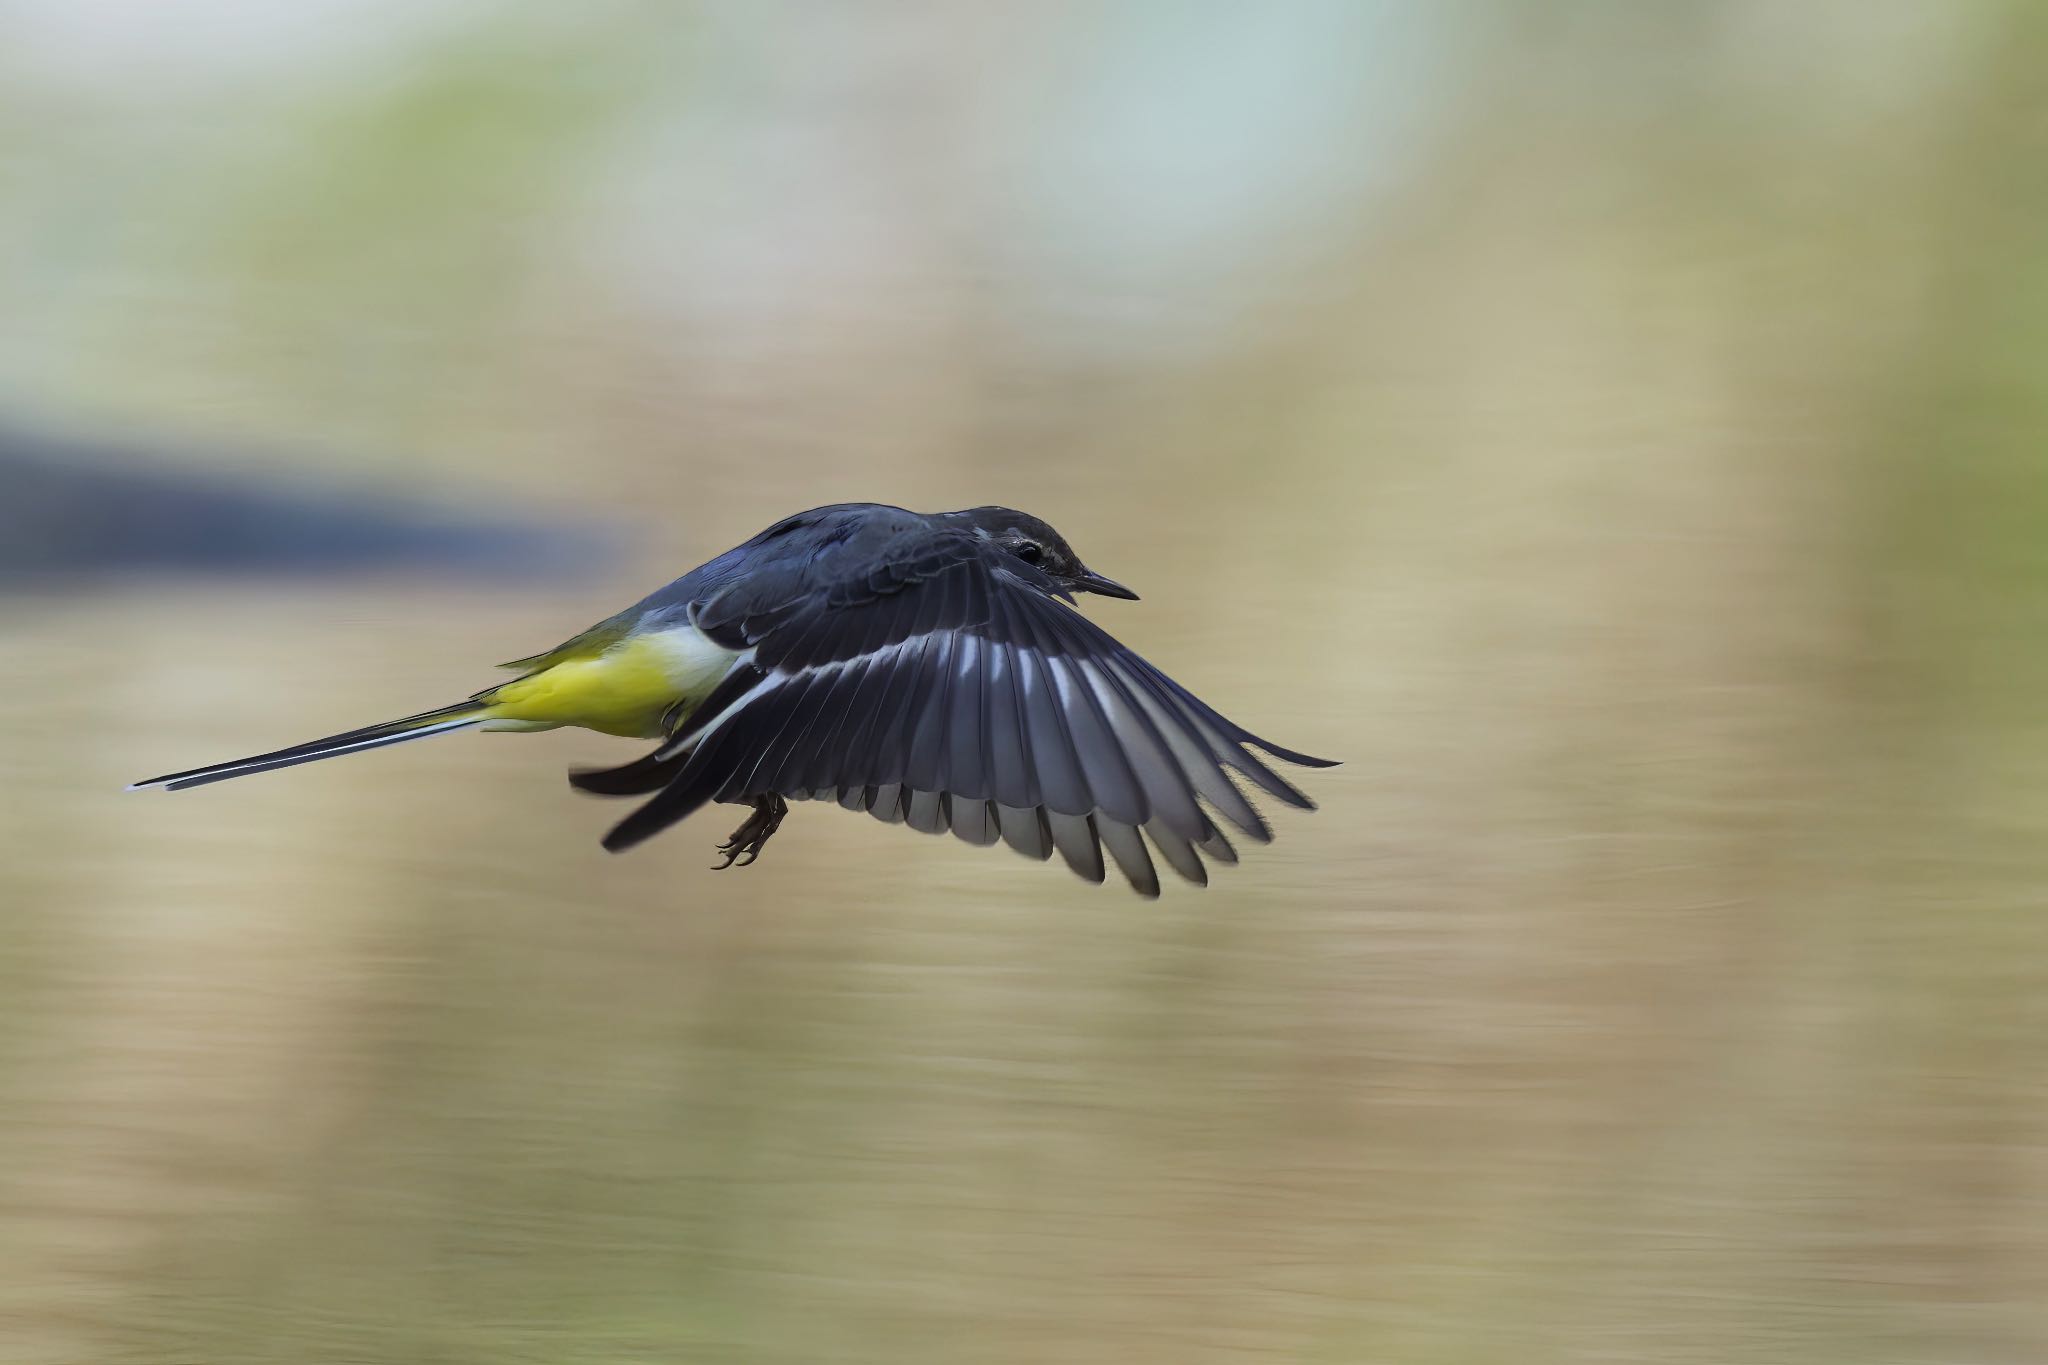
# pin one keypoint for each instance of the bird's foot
(748, 840)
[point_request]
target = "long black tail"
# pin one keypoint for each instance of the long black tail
(333, 746)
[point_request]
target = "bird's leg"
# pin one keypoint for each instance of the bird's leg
(748, 840)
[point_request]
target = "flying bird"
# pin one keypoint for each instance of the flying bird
(929, 669)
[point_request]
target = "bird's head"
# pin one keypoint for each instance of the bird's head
(1029, 540)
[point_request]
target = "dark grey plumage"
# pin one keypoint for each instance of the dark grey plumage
(929, 669)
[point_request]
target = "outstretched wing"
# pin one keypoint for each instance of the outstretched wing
(952, 688)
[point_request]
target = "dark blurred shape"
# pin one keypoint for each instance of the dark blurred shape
(73, 509)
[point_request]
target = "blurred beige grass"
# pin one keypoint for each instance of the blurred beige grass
(1644, 501)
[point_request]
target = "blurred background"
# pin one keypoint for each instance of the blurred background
(1616, 431)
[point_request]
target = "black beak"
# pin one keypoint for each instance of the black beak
(1089, 581)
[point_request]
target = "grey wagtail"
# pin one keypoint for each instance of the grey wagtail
(929, 670)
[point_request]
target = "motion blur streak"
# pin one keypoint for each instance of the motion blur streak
(1615, 430)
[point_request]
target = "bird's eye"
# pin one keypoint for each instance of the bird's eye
(1030, 552)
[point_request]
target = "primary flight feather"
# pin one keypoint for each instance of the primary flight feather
(928, 669)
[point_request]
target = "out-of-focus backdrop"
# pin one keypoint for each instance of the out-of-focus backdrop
(1619, 432)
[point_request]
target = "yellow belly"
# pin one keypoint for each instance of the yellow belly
(629, 689)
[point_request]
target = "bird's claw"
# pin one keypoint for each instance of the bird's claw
(736, 854)
(748, 840)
